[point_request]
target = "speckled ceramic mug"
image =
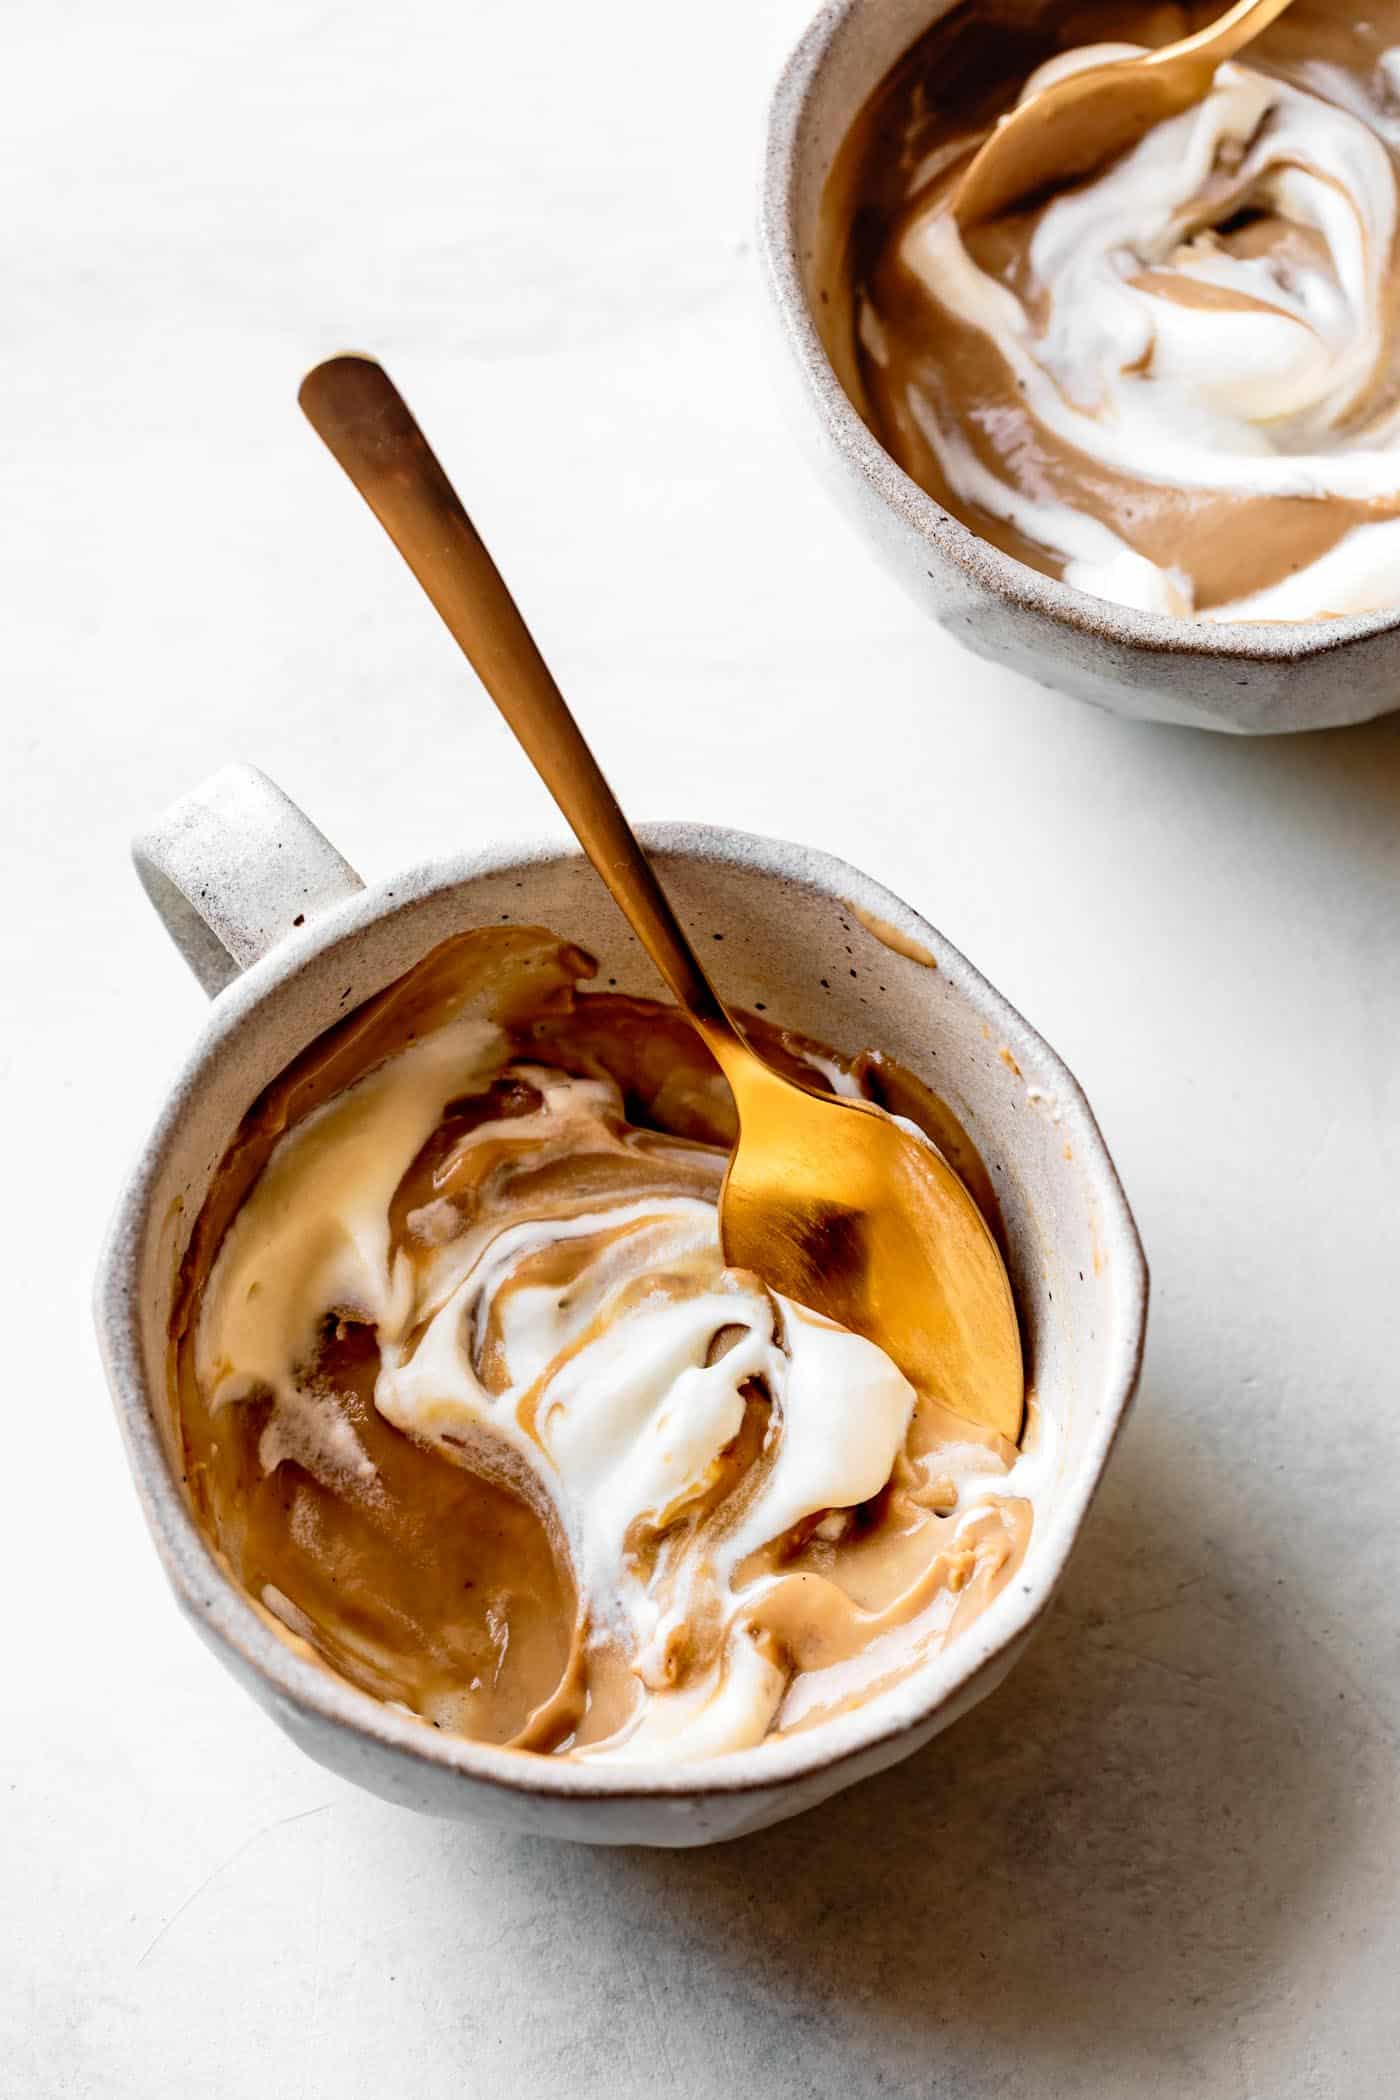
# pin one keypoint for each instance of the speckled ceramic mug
(282, 931)
(1251, 678)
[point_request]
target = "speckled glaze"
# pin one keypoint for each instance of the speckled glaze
(1252, 679)
(802, 933)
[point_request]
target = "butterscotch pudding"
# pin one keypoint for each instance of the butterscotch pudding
(471, 1405)
(1175, 384)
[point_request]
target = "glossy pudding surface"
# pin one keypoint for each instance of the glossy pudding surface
(472, 1407)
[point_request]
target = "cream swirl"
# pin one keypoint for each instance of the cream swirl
(1199, 341)
(558, 1313)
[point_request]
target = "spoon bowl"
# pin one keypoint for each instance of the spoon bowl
(831, 1202)
(1076, 123)
(841, 1208)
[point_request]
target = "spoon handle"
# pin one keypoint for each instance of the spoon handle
(355, 408)
(1238, 26)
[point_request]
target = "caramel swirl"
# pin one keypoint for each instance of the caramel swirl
(476, 1409)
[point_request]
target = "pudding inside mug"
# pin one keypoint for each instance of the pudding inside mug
(1136, 440)
(274, 921)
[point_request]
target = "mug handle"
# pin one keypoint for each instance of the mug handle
(234, 868)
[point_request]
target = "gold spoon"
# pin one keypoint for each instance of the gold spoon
(1076, 124)
(829, 1201)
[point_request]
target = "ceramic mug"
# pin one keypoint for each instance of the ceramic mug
(281, 929)
(1248, 677)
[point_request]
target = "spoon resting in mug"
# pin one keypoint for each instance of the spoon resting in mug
(1082, 119)
(830, 1202)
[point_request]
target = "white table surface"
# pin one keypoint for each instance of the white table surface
(1162, 1860)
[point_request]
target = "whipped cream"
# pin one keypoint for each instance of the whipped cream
(559, 1314)
(1196, 349)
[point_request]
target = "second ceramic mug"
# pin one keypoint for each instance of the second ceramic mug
(1250, 677)
(275, 923)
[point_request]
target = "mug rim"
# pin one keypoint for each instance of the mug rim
(984, 565)
(211, 1595)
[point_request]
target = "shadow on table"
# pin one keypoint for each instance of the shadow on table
(1337, 787)
(1097, 1866)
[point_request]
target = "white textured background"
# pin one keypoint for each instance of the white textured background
(1162, 1860)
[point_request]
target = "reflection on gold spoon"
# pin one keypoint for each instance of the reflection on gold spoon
(1077, 123)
